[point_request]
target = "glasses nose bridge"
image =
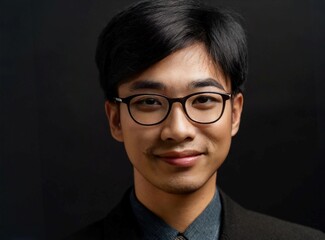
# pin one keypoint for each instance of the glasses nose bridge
(182, 101)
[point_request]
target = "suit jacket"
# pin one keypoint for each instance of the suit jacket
(237, 224)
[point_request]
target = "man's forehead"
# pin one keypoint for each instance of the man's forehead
(188, 68)
(152, 84)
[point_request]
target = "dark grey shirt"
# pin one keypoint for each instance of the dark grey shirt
(205, 226)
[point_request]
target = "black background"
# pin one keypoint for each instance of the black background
(60, 169)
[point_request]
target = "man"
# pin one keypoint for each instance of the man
(173, 74)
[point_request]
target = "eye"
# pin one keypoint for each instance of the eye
(148, 101)
(206, 101)
(203, 99)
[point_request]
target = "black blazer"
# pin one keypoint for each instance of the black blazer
(237, 224)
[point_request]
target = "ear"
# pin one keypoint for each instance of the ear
(113, 116)
(237, 107)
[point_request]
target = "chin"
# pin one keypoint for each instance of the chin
(181, 187)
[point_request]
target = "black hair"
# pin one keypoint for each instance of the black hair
(150, 30)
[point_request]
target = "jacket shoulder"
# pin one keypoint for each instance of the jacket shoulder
(118, 224)
(240, 223)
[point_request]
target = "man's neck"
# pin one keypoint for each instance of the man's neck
(177, 210)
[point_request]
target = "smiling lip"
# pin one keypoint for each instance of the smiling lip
(180, 159)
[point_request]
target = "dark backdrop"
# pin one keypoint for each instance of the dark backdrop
(60, 169)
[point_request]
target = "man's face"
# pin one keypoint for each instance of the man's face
(177, 155)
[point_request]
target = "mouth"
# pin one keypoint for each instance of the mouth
(186, 158)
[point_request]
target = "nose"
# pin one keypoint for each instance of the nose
(177, 127)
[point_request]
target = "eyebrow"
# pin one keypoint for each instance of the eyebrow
(147, 84)
(153, 85)
(207, 82)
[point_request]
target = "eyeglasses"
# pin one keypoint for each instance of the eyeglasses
(152, 109)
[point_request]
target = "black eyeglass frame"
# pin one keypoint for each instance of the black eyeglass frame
(171, 101)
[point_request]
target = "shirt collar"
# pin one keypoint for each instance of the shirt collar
(205, 226)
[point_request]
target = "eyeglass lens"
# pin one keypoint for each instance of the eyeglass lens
(151, 109)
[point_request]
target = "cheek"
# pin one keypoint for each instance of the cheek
(137, 139)
(221, 128)
(125, 117)
(219, 135)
